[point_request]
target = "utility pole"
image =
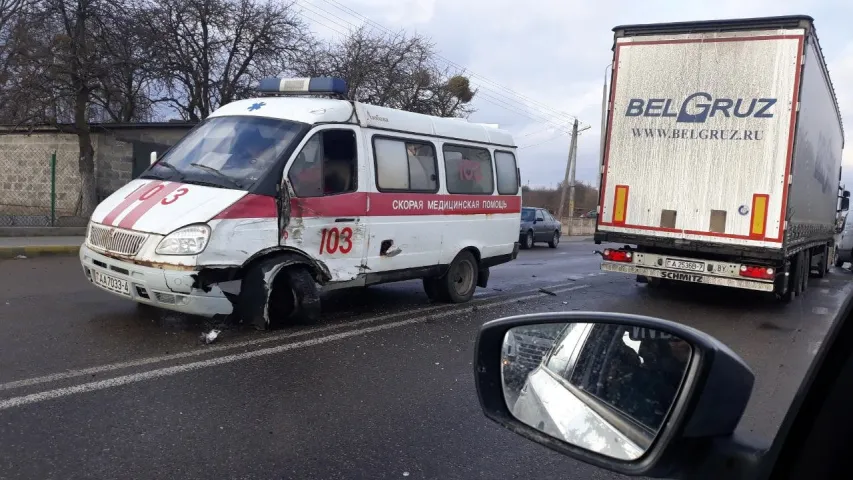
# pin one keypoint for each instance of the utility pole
(570, 170)
(573, 162)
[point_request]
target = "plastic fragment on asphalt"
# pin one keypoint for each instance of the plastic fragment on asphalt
(549, 292)
(210, 336)
(20, 256)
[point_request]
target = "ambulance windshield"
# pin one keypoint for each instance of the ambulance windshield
(234, 152)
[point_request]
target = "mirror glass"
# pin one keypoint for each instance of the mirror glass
(603, 387)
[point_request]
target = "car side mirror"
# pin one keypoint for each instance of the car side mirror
(635, 395)
(153, 158)
(846, 194)
(845, 204)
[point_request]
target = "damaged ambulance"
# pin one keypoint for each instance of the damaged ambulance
(271, 200)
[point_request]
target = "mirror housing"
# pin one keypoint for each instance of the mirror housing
(714, 395)
(845, 203)
(153, 158)
(846, 194)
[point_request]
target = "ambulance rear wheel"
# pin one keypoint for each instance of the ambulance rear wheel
(823, 262)
(433, 290)
(460, 281)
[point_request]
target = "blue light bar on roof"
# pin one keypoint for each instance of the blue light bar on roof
(304, 86)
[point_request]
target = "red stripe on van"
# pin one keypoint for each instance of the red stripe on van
(129, 200)
(375, 205)
(150, 197)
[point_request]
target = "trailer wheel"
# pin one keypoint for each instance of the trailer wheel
(807, 269)
(838, 261)
(823, 262)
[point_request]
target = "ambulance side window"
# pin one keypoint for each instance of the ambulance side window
(327, 165)
(468, 170)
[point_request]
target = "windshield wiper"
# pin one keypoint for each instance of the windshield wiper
(172, 168)
(219, 174)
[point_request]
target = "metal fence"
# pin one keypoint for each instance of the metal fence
(39, 186)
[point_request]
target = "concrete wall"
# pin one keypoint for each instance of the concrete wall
(25, 169)
(578, 226)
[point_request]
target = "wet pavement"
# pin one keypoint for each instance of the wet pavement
(93, 386)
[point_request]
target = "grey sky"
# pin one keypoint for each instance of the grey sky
(553, 53)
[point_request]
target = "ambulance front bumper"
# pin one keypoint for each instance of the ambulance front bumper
(159, 287)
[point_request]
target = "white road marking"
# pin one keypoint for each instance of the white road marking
(188, 367)
(248, 343)
(820, 310)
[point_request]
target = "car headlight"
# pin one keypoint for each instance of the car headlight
(189, 240)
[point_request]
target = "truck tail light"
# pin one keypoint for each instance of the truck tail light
(755, 271)
(618, 255)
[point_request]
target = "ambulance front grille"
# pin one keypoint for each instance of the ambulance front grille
(114, 240)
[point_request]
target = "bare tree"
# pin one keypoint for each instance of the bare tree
(393, 70)
(128, 89)
(214, 51)
(60, 64)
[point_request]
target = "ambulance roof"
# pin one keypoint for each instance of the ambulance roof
(324, 110)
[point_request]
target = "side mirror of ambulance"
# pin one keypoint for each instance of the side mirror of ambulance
(153, 158)
(635, 395)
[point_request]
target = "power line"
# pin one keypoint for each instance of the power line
(366, 19)
(544, 141)
(449, 62)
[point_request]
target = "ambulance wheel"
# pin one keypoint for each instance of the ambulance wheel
(291, 298)
(460, 281)
(838, 261)
(555, 241)
(433, 290)
(528, 241)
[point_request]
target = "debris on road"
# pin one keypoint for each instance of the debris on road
(549, 292)
(210, 336)
(20, 256)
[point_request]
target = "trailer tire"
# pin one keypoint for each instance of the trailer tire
(823, 263)
(807, 269)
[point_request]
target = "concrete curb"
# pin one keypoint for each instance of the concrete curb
(39, 251)
(42, 231)
(576, 238)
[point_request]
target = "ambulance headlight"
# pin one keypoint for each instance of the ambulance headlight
(189, 240)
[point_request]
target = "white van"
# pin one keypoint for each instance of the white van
(270, 200)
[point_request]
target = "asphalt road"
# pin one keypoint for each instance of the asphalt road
(93, 387)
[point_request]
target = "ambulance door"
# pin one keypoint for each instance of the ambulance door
(329, 204)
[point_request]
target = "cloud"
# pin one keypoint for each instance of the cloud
(537, 62)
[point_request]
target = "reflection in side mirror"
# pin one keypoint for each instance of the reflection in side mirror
(602, 387)
(636, 395)
(153, 158)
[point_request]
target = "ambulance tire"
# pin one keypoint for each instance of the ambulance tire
(460, 281)
(291, 298)
(433, 290)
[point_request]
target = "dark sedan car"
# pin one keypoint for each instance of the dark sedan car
(537, 225)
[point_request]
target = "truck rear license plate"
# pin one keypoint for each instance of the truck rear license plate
(111, 283)
(685, 265)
